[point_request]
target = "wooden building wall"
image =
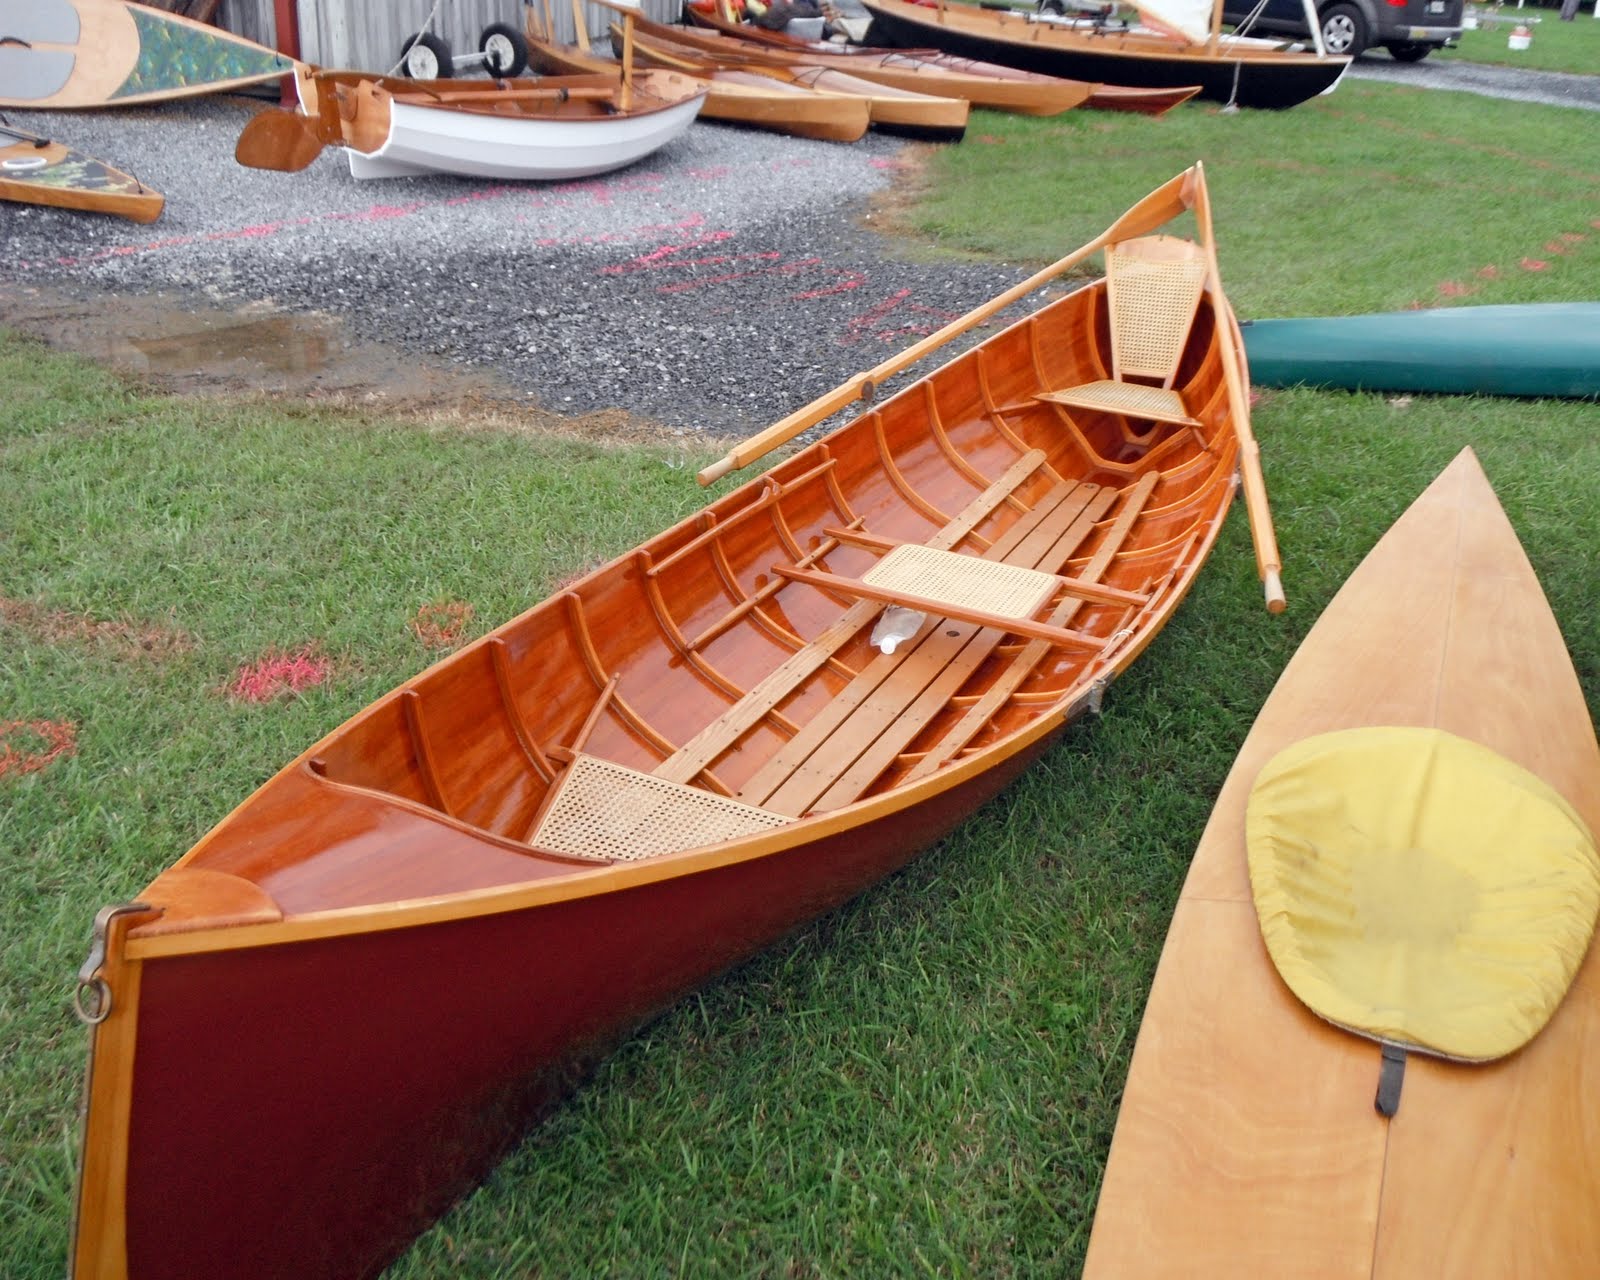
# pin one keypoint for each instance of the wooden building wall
(363, 36)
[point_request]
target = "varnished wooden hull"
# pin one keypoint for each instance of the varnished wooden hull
(1024, 93)
(925, 113)
(333, 1014)
(735, 96)
(1256, 78)
(1247, 1142)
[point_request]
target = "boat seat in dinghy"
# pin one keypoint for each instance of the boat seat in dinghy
(1153, 289)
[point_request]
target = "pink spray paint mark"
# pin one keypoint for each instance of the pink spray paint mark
(26, 746)
(277, 674)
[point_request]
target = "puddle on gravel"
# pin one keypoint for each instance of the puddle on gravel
(192, 349)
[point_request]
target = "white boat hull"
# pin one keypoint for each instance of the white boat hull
(477, 145)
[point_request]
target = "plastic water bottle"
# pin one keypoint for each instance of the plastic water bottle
(895, 626)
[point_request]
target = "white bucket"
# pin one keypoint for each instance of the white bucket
(1520, 38)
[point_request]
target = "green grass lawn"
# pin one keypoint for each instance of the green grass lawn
(926, 1081)
(1556, 46)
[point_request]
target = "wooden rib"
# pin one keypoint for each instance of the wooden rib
(525, 739)
(713, 528)
(984, 710)
(696, 754)
(762, 594)
(941, 436)
(696, 662)
(411, 704)
(788, 784)
(996, 416)
(897, 478)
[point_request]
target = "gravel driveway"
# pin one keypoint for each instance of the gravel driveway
(716, 286)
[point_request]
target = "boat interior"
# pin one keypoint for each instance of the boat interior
(720, 681)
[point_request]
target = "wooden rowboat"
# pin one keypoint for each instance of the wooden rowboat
(35, 170)
(906, 112)
(1229, 69)
(1248, 1143)
(556, 128)
(330, 1017)
(733, 96)
(1029, 92)
(1025, 93)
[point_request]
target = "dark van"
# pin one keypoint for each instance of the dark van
(1409, 29)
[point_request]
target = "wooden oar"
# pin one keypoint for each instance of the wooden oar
(1160, 206)
(1269, 564)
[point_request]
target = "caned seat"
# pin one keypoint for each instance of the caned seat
(1153, 289)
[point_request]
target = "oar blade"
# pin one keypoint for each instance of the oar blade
(281, 140)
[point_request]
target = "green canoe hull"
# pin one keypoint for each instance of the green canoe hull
(1541, 349)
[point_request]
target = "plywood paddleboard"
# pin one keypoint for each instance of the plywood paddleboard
(36, 170)
(56, 54)
(1248, 1143)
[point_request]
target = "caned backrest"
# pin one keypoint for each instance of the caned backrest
(1153, 284)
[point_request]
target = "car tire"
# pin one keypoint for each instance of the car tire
(1409, 51)
(1344, 29)
(424, 56)
(504, 49)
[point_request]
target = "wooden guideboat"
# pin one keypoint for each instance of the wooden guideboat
(905, 112)
(1534, 349)
(555, 128)
(733, 96)
(1101, 97)
(1178, 49)
(1024, 93)
(1248, 1141)
(59, 54)
(35, 170)
(330, 1017)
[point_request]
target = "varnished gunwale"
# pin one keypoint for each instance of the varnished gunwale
(244, 996)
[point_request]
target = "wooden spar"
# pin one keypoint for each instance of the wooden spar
(580, 26)
(1160, 206)
(1269, 564)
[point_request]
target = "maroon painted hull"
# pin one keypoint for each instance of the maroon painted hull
(373, 1079)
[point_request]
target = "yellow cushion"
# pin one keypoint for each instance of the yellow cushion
(1419, 888)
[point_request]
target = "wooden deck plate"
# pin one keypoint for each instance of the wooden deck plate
(607, 811)
(1248, 1143)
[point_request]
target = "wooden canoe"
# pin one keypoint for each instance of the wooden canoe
(35, 170)
(330, 1017)
(1253, 74)
(733, 96)
(1532, 349)
(1247, 1142)
(1024, 93)
(555, 128)
(57, 54)
(1101, 97)
(905, 112)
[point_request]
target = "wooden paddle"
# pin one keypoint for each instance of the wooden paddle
(1269, 564)
(1160, 206)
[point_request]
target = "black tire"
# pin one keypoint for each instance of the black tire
(1409, 51)
(504, 49)
(424, 56)
(1344, 29)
